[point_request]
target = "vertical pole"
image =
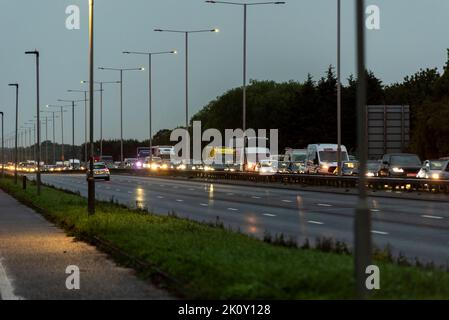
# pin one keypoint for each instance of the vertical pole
(17, 128)
(46, 140)
(245, 9)
(54, 140)
(150, 62)
(62, 135)
(91, 182)
(187, 79)
(85, 127)
(339, 155)
(121, 116)
(362, 232)
(38, 173)
(73, 131)
(101, 120)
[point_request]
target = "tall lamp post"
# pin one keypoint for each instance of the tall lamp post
(73, 102)
(362, 223)
(121, 70)
(62, 111)
(245, 10)
(85, 120)
(101, 83)
(91, 179)
(339, 155)
(16, 85)
(186, 34)
(53, 116)
(150, 96)
(38, 172)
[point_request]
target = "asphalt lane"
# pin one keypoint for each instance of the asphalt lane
(411, 227)
(34, 256)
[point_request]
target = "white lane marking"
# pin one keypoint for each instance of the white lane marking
(230, 194)
(160, 197)
(382, 233)
(269, 215)
(191, 189)
(175, 187)
(117, 190)
(130, 192)
(324, 205)
(162, 185)
(316, 222)
(256, 197)
(6, 288)
(375, 210)
(233, 209)
(204, 204)
(108, 188)
(179, 200)
(432, 217)
(287, 201)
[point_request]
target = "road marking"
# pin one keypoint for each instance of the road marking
(130, 192)
(118, 190)
(233, 209)
(179, 200)
(269, 215)
(315, 222)
(204, 204)
(380, 232)
(230, 194)
(432, 217)
(287, 201)
(175, 187)
(375, 210)
(6, 288)
(256, 197)
(191, 189)
(324, 205)
(160, 197)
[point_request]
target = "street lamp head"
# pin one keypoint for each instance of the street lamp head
(174, 52)
(216, 30)
(142, 69)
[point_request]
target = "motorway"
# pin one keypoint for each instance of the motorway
(411, 227)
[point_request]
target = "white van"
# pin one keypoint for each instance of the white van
(323, 158)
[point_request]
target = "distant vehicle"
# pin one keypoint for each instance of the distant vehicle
(349, 168)
(108, 161)
(373, 168)
(255, 151)
(434, 169)
(267, 167)
(296, 159)
(322, 158)
(400, 165)
(101, 171)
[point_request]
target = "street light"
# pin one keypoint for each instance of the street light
(61, 108)
(339, 159)
(150, 97)
(16, 85)
(54, 133)
(186, 33)
(101, 83)
(91, 178)
(38, 172)
(245, 9)
(73, 122)
(121, 70)
(362, 223)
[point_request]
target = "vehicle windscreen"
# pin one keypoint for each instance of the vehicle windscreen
(406, 160)
(331, 156)
(437, 165)
(99, 166)
(299, 157)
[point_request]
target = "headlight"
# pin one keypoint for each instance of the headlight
(436, 176)
(370, 174)
(182, 167)
(398, 170)
(154, 166)
(325, 167)
(139, 164)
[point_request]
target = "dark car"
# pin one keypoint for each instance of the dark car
(403, 165)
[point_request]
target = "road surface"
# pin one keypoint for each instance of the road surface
(411, 227)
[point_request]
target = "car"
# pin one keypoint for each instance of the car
(101, 171)
(400, 165)
(349, 168)
(267, 167)
(434, 169)
(373, 168)
(296, 159)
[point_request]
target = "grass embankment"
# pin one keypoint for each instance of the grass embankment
(214, 263)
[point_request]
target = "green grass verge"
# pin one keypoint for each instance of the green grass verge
(214, 263)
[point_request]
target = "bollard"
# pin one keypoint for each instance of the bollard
(24, 182)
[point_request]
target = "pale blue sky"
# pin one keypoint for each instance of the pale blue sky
(285, 43)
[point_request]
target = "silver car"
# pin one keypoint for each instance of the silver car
(101, 171)
(434, 169)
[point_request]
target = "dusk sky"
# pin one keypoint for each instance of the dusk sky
(284, 43)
